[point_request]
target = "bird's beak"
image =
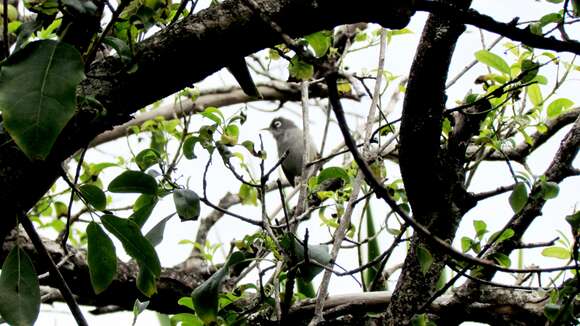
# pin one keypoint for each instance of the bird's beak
(265, 129)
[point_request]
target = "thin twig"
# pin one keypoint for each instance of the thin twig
(58, 279)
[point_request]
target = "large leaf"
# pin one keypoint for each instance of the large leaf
(519, 197)
(186, 204)
(205, 296)
(37, 94)
(94, 196)
(155, 235)
(493, 60)
(317, 253)
(19, 289)
(101, 258)
(134, 182)
(136, 246)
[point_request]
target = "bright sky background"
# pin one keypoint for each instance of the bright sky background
(399, 57)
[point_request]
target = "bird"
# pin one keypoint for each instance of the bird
(289, 138)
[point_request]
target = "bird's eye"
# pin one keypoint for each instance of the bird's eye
(277, 124)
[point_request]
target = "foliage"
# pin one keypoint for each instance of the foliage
(517, 101)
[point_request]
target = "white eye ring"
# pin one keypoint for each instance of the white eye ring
(277, 124)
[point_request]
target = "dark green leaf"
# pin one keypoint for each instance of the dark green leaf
(574, 220)
(493, 60)
(136, 246)
(101, 257)
(549, 190)
(317, 253)
(155, 235)
(187, 204)
(519, 197)
(205, 296)
(37, 94)
(556, 252)
(147, 158)
(121, 47)
(425, 259)
(146, 282)
(94, 196)
(552, 310)
(502, 259)
(142, 209)
(19, 289)
(530, 69)
(305, 288)
(373, 251)
(189, 147)
(134, 182)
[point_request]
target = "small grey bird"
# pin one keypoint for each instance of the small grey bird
(289, 138)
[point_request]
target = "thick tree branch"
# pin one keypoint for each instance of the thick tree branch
(173, 284)
(509, 30)
(179, 55)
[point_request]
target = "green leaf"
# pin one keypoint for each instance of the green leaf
(373, 251)
(518, 197)
(506, 234)
(552, 310)
(138, 308)
(333, 172)
(535, 94)
(146, 282)
(186, 204)
(94, 196)
(493, 60)
(19, 289)
(574, 221)
(230, 135)
(466, 244)
(136, 246)
(155, 235)
(142, 209)
(186, 319)
(37, 94)
(556, 252)
(147, 158)
(317, 253)
(205, 296)
(320, 42)
(425, 259)
(214, 114)
(121, 47)
(248, 195)
(189, 146)
(101, 257)
(502, 259)
(300, 69)
(549, 190)
(557, 106)
(530, 70)
(480, 228)
(134, 182)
